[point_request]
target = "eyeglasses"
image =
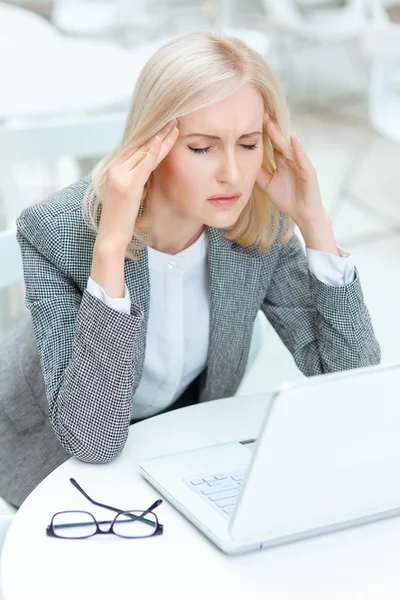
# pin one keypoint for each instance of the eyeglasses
(79, 524)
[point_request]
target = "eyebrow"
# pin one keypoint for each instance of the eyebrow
(215, 137)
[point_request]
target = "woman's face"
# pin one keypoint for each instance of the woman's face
(219, 151)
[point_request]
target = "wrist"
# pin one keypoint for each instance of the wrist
(108, 266)
(109, 249)
(318, 234)
(314, 222)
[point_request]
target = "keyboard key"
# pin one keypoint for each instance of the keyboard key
(224, 494)
(226, 502)
(229, 510)
(207, 491)
(222, 488)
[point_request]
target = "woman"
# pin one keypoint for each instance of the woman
(146, 300)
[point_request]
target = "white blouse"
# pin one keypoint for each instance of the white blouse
(179, 318)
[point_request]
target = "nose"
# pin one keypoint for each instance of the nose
(228, 171)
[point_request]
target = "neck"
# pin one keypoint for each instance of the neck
(172, 243)
(171, 230)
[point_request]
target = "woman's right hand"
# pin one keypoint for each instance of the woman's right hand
(124, 185)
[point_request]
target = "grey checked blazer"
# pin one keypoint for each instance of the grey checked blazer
(68, 374)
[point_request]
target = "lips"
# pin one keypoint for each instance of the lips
(224, 200)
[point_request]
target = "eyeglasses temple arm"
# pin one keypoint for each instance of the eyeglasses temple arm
(82, 491)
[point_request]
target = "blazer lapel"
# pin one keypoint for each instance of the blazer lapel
(137, 279)
(234, 276)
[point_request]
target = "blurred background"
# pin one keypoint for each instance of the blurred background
(67, 71)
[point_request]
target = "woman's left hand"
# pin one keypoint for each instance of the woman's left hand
(293, 187)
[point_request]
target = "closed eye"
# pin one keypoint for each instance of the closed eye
(208, 148)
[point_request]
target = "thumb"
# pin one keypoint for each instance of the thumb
(263, 179)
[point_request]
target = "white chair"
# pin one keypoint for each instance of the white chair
(50, 74)
(41, 7)
(6, 516)
(177, 17)
(321, 21)
(5, 522)
(385, 13)
(24, 24)
(53, 74)
(313, 24)
(103, 18)
(257, 40)
(75, 137)
(12, 307)
(381, 43)
(10, 273)
(10, 256)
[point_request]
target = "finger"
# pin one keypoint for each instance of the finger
(263, 179)
(157, 151)
(168, 144)
(149, 162)
(136, 155)
(281, 162)
(300, 156)
(165, 131)
(139, 155)
(125, 155)
(130, 157)
(152, 152)
(284, 166)
(277, 138)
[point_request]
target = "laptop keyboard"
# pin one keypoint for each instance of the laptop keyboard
(219, 490)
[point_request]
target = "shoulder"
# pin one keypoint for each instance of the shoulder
(62, 205)
(58, 215)
(284, 258)
(55, 227)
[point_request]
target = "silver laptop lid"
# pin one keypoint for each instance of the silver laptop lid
(328, 452)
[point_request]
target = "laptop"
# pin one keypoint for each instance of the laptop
(327, 457)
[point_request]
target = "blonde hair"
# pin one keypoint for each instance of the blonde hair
(189, 73)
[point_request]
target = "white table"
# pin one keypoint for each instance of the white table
(361, 563)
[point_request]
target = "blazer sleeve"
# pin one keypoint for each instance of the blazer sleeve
(86, 351)
(326, 328)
